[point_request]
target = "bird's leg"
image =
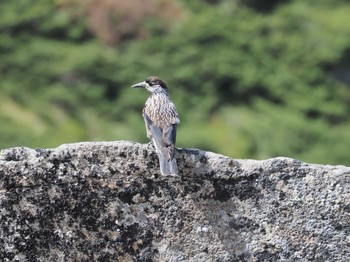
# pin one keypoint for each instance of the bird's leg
(149, 135)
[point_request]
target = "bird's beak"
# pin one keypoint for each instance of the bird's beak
(139, 85)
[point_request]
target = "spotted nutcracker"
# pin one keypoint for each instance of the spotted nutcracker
(161, 118)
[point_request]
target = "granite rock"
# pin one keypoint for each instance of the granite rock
(106, 201)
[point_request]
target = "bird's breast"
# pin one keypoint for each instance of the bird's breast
(161, 111)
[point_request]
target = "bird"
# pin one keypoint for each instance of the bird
(161, 118)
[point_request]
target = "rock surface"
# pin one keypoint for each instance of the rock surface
(107, 202)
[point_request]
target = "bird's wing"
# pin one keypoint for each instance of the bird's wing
(163, 138)
(169, 138)
(155, 131)
(175, 116)
(169, 135)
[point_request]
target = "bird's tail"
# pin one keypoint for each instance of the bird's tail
(167, 167)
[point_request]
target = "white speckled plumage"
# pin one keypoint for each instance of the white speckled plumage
(161, 110)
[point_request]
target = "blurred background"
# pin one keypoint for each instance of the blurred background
(250, 78)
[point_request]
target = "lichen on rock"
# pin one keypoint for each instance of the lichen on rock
(106, 201)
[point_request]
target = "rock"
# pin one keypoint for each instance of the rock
(107, 202)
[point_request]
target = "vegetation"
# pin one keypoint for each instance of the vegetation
(250, 80)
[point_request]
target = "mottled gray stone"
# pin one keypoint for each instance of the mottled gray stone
(106, 201)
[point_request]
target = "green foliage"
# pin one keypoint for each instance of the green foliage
(249, 80)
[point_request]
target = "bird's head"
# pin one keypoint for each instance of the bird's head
(153, 84)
